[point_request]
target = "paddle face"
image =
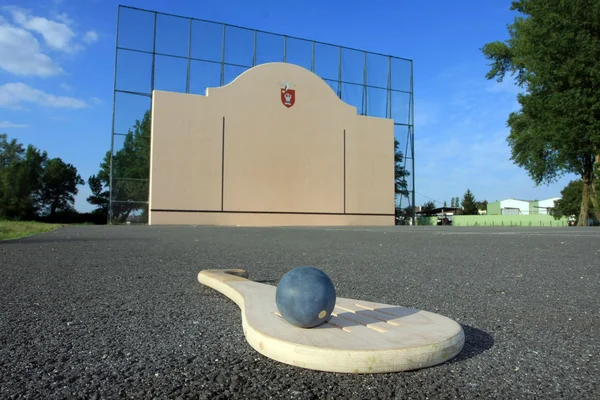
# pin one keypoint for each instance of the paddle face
(360, 337)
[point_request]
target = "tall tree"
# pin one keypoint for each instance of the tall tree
(482, 205)
(570, 202)
(469, 205)
(553, 52)
(99, 196)
(401, 184)
(131, 173)
(400, 172)
(430, 205)
(59, 183)
(20, 174)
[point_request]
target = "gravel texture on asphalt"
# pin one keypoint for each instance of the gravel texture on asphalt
(96, 312)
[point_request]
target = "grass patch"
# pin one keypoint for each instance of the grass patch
(19, 229)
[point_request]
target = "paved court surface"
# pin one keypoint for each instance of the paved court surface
(117, 312)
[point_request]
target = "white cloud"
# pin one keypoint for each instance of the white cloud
(96, 100)
(26, 43)
(460, 142)
(66, 87)
(8, 124)
(20, 54)
(65, 18)
(13, 95)
(90, 37)
(57, 35)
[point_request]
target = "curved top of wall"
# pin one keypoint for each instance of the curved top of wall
(290, 85)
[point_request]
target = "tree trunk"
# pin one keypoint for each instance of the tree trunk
(595, 202)
(585, 201)
(53, 207)
(594, 194)
(124, 217)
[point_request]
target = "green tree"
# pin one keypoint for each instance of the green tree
(401, 185)
(404, 215)
(469, 205)
(20, 178)
(400, 172)
(553, 52)
(430, 205)
(482, 205)
(131, 174)
(99, 196)
(58, 188)
(569, 204)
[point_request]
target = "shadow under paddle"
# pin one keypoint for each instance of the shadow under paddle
(476, 342)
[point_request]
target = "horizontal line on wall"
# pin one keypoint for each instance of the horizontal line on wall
(271, 212)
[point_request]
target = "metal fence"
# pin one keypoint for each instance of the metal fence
(162, 51)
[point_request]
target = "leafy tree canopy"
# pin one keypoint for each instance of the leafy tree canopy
(570, 201)
(31, 185)
(552, 52)
(482, 205)
(401, 184)
(430, 205)
(131, 174)
(20, 178)
(58, 187)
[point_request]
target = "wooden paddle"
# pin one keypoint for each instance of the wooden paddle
(360, 337)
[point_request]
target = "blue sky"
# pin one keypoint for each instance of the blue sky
(57, 67)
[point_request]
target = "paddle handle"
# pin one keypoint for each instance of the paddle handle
(221, 279)
(223, 275)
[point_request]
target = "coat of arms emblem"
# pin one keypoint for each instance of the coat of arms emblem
(288, 96)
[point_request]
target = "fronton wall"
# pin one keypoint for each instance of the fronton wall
(247, 154)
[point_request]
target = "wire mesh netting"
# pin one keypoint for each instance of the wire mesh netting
(157, 51)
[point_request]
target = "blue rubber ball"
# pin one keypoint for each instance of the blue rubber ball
(305, 297)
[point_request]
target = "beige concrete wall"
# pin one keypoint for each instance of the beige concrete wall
(238, 156)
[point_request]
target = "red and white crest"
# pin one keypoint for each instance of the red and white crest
(288, 96)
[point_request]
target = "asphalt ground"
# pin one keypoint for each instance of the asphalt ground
(117, 311)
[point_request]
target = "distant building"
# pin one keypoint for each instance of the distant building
(521, 207)
(545, 206)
